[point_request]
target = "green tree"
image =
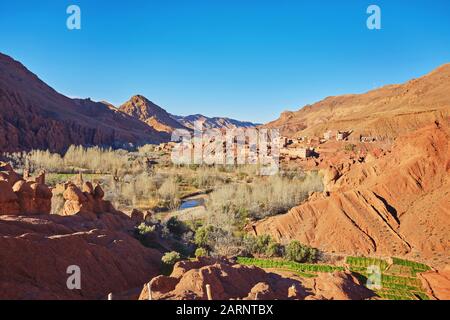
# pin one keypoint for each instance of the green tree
(297, 252)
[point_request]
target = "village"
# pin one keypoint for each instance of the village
(309, 153)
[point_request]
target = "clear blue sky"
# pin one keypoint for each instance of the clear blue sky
(246, 59)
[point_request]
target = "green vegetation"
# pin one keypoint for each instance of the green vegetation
(170, 258)
(289, 265)
(398, 280)
(393, 287)
(361, 263)
(297, 252)
(144, 229)
(200, 252)
(415, 267)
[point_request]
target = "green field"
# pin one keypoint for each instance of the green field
(398, 279)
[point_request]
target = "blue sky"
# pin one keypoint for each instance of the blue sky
(243, 59)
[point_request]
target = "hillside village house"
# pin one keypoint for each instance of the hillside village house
(339, 135)
(297, 153)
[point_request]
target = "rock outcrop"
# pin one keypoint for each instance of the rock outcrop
(337, 286)
(36, 248)
(227, 280)
(87, 201)
(437, 283)
(23, 197)
(36, 252)
(396, 205)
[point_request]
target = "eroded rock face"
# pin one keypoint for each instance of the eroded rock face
(9, 203)
(34, 116)
(395, 205)
(233, 281)
(227, 280)
(338, 286)
(387, 112)
(437, 283)
(35, 252)
(87, 201)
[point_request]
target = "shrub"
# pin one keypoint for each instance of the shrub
(203, 235)
(169, 192)
(201, 252)
(297, 252)
(274, 249)
(143, 229)
(176, 227)
(257, 245)
(144, 233)
(170, 258)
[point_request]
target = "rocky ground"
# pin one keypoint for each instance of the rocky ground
(228, 280)
(36, 248)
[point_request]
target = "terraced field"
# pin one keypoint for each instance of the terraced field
(398, 278)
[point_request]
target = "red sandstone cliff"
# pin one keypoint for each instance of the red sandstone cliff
(37, 248)
(397, 205)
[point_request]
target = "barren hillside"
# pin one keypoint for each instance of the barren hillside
(34, 116)
(385, 112)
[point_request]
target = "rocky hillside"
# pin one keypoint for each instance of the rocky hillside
(146, 111)
(33, 115)
(234, 281)
(396, 205)
(213, 123)
(37, 248)
(386, 112)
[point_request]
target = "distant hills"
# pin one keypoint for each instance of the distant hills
(213, 123)
(385, 112)
(35, 116)
(143, 109)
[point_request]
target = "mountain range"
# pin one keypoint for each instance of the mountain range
(35, 116)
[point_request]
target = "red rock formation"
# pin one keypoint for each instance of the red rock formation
(395, 205)
(338, 286)
(87, 202)
(35, 252)
(437, 283)
(36, 248)
(233, 281)
(18, 196)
